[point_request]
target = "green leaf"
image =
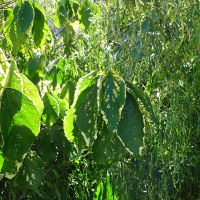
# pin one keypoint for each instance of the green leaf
(144, 99)
(79, 140)
(106, 150)
(47, 151)
(86, 112)
(113, 97)
(82, 84)
(69, 124)
(36, 67)
(30, 174)
(68, 6)
(18, 142)
(40, 27)
(145, 25)
(85, 14)
(72, 131)
(1, 162)
(18, 130)
(59, 140)
(51, 110)
(21, 83)
(62, 106)
(10, 168)
(130, 127)
(30, 90)
(25, 17)
(11, 33)
(68, 93)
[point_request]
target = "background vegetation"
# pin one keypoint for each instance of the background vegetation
(152, 44)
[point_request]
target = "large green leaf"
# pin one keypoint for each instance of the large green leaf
(113, 96)
(25, 17)
(40, 26)
(20, 82)
(86, 112)
(20, 123)
(130, 127)
(30, 175)
(11, 32)
(51, 110)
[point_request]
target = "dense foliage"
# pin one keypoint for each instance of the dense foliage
(99, 99)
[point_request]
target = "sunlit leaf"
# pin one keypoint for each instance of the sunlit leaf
(86, 112)
(18, 130)
(113, 97)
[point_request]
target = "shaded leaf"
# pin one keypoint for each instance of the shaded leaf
(106, 150)
(40, 26)
(30, 175)
(46, 149)
(144, 98)
(51, 110)
(145, 25)
(25, 17)
(130, 127)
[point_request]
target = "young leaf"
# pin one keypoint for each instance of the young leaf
(130, 127)
(86, 112)
(25, 17)
(113, 97)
